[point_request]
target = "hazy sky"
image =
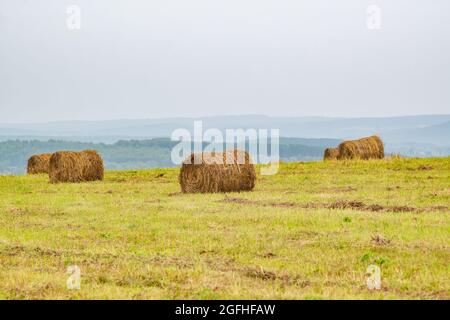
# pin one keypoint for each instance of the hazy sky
(164, 58)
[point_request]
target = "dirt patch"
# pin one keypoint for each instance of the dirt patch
(139, 280)
(18, 249)
(269, 255)
(260, 274)
(375, 207)
(345, 204)
(47, 252)
(261, 203)
(31, 292)
(437, 208)
(308, 233)
(12, 250)
(207, 252)
(19, 211)
(285, 279)
(162, 260)
(380, 240)
(403, 209)
(239, 200)
(337, 205)
(358, 205)
(284, 204)
(255, 272)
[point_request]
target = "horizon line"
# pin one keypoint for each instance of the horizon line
(225, 115)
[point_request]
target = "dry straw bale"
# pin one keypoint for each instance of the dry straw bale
(226, 171)
(39, 163)
(69, 166)
(365, 148)
(331, 154)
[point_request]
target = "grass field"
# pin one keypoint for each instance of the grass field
(308, 232)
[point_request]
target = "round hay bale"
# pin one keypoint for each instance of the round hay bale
(217, 172)
(365, 148)
(331, 154)
(39, 163)
(69, 166)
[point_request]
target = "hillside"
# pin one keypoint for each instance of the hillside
(309, 231)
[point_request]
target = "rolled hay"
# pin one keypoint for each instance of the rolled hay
(365, 148)
(331, 154)
(39, 163)
(226, 171)
(69, 166)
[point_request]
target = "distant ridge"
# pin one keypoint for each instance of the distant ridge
(436, 134)
(428, 129)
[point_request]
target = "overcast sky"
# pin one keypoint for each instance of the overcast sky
(165, 58)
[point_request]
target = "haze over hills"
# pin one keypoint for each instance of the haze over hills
(428, 129)
(438, 134)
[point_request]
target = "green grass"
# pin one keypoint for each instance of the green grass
(134, 236)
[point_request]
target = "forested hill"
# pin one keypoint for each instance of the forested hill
(136, 154)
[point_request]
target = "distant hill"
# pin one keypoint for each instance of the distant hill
(303, 127)
(435, 134)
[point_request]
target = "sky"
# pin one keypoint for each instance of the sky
(139, 59)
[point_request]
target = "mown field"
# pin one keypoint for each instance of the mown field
(308, 232)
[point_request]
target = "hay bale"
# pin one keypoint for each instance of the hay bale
(39, 163)
(217, 172)
(68, 166)
(365, 148)
(331, 154)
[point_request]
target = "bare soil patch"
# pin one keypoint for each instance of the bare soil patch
(380, 240)
(337, 205)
